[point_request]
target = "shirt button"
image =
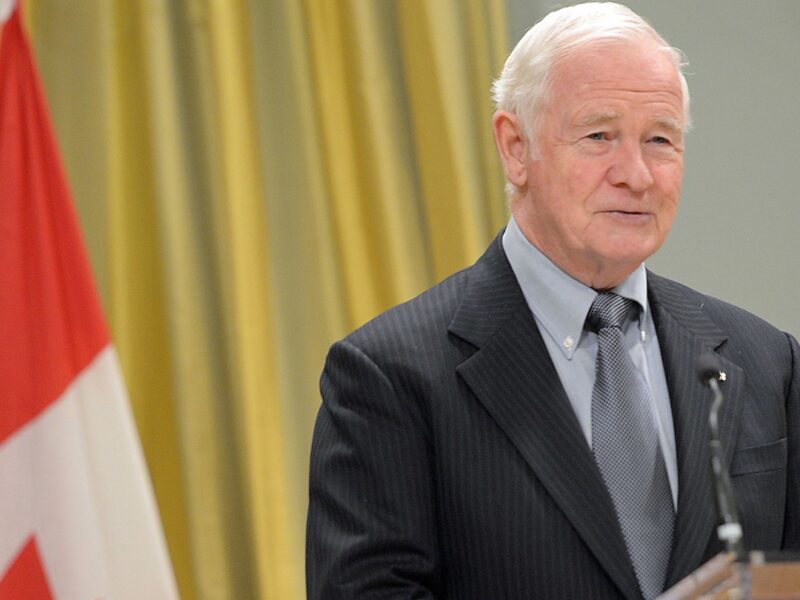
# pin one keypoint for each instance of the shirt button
(568, 342)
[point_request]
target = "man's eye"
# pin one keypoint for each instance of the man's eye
(660, 140)
(598, 135)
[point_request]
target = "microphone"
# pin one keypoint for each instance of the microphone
(708, 367)
(730, 531)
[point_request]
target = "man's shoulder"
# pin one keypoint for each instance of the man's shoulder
(415, 321)
(465, 305)
(733, 320)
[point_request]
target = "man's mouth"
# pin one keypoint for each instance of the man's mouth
(629, 216)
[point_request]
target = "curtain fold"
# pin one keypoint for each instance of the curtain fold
(254, 179)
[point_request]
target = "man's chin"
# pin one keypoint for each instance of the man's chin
(630, 250)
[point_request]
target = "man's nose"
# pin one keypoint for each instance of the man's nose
(630, 168)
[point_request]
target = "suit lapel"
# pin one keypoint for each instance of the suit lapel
(684, 334)
(512, 374)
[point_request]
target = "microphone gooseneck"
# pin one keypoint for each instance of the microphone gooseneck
(730, 531)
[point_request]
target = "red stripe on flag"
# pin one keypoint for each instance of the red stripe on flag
(25, 578)
(51, 325)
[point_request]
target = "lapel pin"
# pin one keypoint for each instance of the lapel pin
(723, 376)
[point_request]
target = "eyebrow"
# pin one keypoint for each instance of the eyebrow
(595, 119)
(598, 119)
(669, 123)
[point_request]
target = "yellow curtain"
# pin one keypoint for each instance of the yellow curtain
(254, 180)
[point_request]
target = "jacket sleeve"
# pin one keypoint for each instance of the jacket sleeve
(791, 529)
(371, 529)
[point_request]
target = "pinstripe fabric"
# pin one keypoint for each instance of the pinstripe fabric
(447, 462)
(761, 409)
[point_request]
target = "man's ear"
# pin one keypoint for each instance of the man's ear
(512, 146)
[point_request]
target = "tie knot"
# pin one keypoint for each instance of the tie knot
(608, 310)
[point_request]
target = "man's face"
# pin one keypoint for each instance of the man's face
(601, 193)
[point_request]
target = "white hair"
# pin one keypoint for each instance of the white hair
(523, 86)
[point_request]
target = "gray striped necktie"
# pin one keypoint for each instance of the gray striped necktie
(626, 447)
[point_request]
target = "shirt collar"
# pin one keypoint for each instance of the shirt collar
(559, 302)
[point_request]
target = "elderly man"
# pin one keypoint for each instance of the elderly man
(533, 426)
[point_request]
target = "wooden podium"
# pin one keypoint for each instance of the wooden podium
(767, 576)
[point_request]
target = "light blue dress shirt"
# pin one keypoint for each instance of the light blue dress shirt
(559, 305)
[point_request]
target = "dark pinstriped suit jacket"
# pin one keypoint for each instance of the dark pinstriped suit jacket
(447, 461)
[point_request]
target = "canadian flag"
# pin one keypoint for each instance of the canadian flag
(77, 515)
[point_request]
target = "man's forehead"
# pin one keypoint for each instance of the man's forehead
(636, 71)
